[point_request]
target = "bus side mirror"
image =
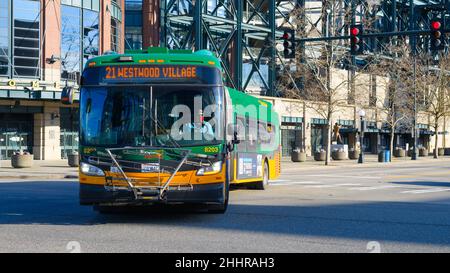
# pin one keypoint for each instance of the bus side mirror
(236, 140)
(233, 129)
(67, 95)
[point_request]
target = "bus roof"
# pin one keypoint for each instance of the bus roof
(157, 55)
(243, 99)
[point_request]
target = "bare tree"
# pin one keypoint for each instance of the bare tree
(436, 92)
(319, 74)
(395, 105)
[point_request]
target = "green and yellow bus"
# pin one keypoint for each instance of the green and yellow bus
(160, 126)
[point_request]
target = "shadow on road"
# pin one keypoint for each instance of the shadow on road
(423, 183)
(56, 203)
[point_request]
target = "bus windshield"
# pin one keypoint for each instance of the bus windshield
(160, 116)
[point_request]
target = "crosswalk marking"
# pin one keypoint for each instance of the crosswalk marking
(352, 186)
(427, 190)
(343, 176)
(286, 183)
(332, 185)
(374, 188)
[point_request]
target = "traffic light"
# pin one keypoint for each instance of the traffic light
(289, 44)
(356, 41)
(437, 39)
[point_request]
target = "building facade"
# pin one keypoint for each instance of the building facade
(43, 47)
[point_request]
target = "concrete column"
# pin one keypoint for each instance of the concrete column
(47, 134)
(150, 23)
(122, 28)
(51, 37)
(105, 26)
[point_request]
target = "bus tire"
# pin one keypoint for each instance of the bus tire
(264, 184)
(221, 208)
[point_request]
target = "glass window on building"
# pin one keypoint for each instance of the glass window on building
(16, 133)
(133, 24)
(4, 38)
(69, 131)
(115, 35)
(70, 43)
(26, 38)
(90, 35)
(318, 134)
(291, 138)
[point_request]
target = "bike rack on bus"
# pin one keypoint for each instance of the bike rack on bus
(138, 191)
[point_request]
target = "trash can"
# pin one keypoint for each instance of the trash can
(381, 157)
(387, 156)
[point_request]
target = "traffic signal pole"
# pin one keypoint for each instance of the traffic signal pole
(413, 39)
(371, 35)
(413, 48)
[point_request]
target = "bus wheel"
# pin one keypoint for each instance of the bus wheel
(221, 208)
(264, 184)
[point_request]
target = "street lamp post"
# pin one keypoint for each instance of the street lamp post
(362, 114)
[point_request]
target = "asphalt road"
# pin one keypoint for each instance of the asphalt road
(386, 208)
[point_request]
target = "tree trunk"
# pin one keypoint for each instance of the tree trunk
(391, 143)
(328, 145)
(436, 146)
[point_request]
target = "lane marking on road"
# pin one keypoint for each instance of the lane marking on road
(427, 191)
(342, 176)
(333, 185)
(374, 188)
(276, 183)
(418, 174)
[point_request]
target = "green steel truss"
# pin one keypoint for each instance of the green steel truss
(241, 33)
(245, 32)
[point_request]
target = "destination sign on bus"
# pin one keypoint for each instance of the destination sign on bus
(155, 72)
(142, 74)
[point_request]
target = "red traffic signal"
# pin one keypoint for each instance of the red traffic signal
(436, 25)
(356, 41)
(437, 40)
(286, 36)
(289, 43)
(354, 31)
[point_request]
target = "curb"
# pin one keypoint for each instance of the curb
(34, 177)
(299, 166)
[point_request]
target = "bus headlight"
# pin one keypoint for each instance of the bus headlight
(88, 169)
(213, 169)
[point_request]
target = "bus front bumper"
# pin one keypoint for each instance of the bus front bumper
(199, 194)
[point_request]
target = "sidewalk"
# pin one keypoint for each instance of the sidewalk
(370, 160)
(58, 169)
(54, 169)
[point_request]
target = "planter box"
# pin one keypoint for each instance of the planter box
(22, 161)
(298, 156)
(410, 152)
(336, 155)
(320, 156)
(423, 152)
(400, 153)
(73, 160)
(353, 154)
(447, 151)
(441, 151)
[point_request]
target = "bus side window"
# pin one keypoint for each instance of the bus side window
(264, 133)
(240, 122)
(252, 135)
